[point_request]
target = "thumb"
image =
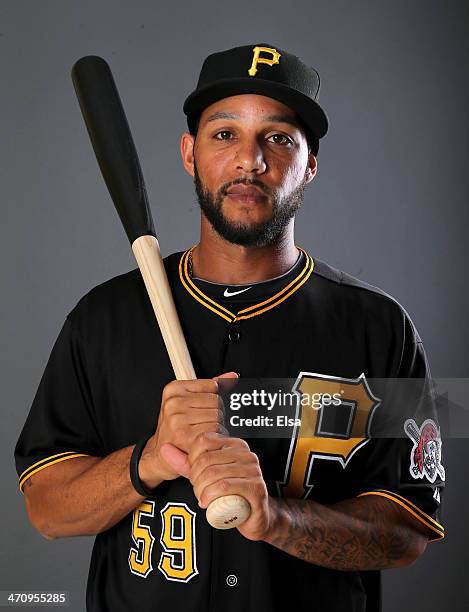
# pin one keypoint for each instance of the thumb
(227, 375)
(176, 459)
(225, 387)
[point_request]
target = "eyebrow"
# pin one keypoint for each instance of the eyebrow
(270, 118)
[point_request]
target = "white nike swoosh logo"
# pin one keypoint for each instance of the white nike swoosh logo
(228, 293)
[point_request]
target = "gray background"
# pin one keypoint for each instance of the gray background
(388, 203)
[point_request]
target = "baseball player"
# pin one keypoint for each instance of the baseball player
(114, 447)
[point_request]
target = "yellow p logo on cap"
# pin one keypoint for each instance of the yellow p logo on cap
(263, 60)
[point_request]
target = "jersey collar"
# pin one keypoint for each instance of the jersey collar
(252, 311)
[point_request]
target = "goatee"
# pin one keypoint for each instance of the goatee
(255, 234)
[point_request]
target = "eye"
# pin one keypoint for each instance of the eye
(285, 141)
(280, 139)
(222, 132)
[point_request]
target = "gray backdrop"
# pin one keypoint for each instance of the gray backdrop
(388, 203)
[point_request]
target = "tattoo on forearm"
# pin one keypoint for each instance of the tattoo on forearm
(355, 534)
(28, 483)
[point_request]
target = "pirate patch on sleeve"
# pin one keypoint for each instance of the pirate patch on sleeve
(425, 457)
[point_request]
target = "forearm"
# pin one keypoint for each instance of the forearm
(87, 495)
(87, 503)
(363, 533)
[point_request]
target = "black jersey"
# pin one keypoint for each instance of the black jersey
(101, 391)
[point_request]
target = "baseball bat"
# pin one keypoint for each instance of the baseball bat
(117, 157)
(412, 431)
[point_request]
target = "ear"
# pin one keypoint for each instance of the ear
(187, 152)
(311, 168)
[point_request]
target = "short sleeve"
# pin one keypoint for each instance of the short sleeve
(60, 424)
(405, 464)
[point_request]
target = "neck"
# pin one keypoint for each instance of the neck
(216, 260)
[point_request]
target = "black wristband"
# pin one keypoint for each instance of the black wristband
(134, 476)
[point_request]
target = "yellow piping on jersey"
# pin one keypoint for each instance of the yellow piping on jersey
(197, 290)
(440, 530)
(279, 301)
(37, 467)
(45, 460)
(282, 291)
(184, 276)
(405, 500)
(220, 310)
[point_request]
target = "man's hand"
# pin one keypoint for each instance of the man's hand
(188, 408)
(226, 466)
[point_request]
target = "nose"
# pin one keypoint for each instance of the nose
(250, 157)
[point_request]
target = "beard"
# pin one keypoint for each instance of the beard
(259, 234)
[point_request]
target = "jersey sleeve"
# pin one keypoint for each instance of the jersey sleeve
(60, 424)
(403, 462)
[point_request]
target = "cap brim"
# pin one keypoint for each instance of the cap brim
(309, 111)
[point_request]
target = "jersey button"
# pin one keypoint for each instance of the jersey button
(234, 335)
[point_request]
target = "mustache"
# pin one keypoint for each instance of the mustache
(248, 182)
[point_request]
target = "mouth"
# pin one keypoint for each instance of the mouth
(246, 195)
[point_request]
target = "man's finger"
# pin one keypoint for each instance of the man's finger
(176, 459)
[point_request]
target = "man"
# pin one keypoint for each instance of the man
(329, 510)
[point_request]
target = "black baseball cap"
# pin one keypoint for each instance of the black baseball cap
(265, 70)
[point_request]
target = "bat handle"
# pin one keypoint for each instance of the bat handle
(230, 510)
